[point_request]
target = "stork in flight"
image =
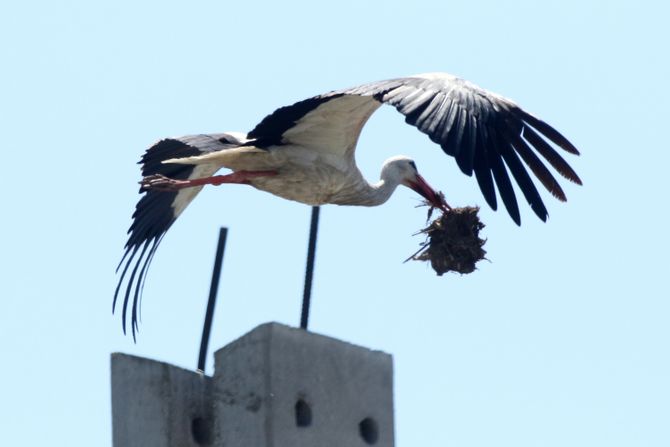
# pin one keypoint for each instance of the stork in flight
(305, 152)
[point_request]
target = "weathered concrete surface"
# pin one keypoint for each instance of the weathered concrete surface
(274, 387)
(261, 377)
(157, 404)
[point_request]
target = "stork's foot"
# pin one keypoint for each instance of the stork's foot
(159, 182)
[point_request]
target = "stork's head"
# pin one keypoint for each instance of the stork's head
(402, 169)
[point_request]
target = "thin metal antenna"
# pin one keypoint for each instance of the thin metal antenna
(213, 289)
(309, 270)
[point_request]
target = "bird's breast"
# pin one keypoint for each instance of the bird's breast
(316, 185)
(304, 175)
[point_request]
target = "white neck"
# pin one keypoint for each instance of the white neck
(368, 194)
(381, 191)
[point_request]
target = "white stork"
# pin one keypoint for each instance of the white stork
(305, 152)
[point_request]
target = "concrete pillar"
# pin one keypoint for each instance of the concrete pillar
(276, 386)
(159, 405)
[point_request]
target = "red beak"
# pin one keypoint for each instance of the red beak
(421, 186)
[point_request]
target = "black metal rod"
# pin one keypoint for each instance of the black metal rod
(213, 289)
(309, 270)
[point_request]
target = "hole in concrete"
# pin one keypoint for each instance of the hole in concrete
(201, 429)
(369, 430)
(303, 414)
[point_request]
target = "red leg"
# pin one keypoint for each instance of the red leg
(160, 182)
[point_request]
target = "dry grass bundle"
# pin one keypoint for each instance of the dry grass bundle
(453, 243)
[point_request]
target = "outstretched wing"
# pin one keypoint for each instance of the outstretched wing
(486, 133)
(330, 123)
(156, 211)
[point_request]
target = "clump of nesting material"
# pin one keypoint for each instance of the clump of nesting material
(453, 243)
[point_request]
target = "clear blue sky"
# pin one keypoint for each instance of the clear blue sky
(562, 339)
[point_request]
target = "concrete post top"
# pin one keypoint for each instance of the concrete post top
(281, 336)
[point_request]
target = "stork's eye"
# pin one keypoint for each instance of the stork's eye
(412, 164)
